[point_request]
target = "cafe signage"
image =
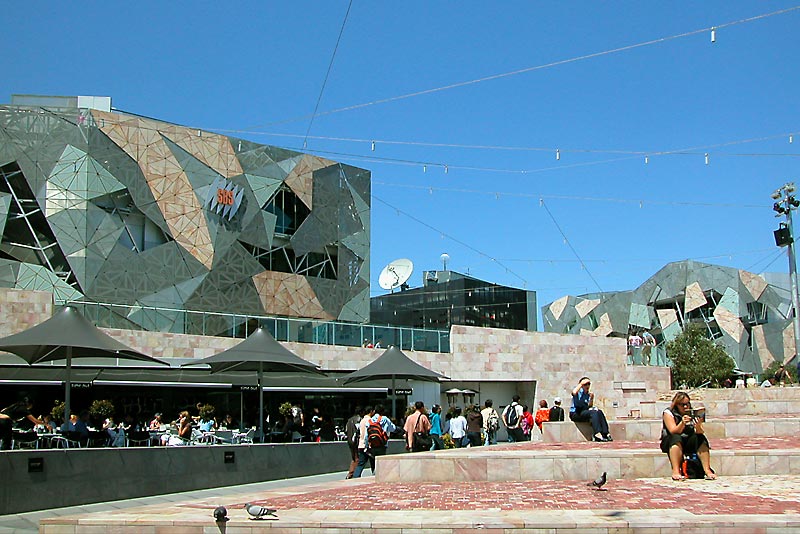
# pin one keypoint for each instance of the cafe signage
(402, 391)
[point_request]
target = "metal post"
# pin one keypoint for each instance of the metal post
(793, 280)
(785, 202)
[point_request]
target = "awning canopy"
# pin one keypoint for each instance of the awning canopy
(175, 377)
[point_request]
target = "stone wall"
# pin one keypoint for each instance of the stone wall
(553, 361)
(83, 476)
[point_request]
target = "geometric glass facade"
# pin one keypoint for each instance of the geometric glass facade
(748, 314)
(114, 208)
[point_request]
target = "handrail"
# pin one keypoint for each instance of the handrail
(287, 329)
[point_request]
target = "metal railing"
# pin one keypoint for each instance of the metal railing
(658, 356)
(156, 319)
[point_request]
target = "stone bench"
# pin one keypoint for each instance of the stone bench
(650, 429)
(567, 432)
(515, 463)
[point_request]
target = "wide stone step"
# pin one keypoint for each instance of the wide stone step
(583, 461)
(650, 429)
(735, 407)
(744, 394)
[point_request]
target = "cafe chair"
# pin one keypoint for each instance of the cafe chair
(98, 438)
(67, 440)
(246, 437)
(25, 440)
(139, 439)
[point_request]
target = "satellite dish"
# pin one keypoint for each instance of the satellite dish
(396, 274)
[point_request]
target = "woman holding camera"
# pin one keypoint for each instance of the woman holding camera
(681, 434)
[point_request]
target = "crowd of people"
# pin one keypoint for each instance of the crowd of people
(368, 429)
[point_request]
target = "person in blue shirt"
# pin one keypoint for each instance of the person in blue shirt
(436, 428)
(583, 410)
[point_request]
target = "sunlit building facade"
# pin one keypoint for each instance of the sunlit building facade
(103, 206)
(748, 314)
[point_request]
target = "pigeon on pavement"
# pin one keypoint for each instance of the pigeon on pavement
(599, 482)
(259, 512)
(220, 514)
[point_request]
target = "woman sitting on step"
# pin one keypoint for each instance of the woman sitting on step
(682, 435)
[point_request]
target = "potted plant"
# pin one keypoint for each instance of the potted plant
(285, 409)
(100, 410)
(58, 413)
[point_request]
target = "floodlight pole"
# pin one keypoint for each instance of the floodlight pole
(785, 203)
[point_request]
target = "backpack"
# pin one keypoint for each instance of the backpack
(376, 437)
(351, 429)
(512, 417)
(493, 421)
(691, 467)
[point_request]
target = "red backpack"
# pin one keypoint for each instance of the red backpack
(376, 437)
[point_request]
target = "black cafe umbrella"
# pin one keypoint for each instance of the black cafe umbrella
(260, 353)
(65, 336)
(393, 364)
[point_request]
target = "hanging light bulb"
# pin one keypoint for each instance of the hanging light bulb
(430, 190)
(424, 168)
(240, 147)
(713, 35)
(445, 169)
(646, 160)
(558, 154)
(706, 158)
(373, 146)
(791, 139)
(541, 202)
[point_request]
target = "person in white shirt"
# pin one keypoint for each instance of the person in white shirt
(458, 428)
(491, 422)
(363, 456)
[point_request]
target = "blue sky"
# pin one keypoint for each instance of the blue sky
(256, 69)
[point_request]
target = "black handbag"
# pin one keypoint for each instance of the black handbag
(422, 440)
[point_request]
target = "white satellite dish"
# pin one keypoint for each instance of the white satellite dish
(396, 274)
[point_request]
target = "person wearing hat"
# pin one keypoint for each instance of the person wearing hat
(584, 410)
(556, 412)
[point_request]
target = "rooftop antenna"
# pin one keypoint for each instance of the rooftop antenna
(445, 258)
(396, 274)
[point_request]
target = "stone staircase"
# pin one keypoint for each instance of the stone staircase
(752, 431)
(730, 413)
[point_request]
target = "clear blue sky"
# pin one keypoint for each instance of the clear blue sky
(256, 69)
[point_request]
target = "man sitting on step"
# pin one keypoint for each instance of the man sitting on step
(583, 410)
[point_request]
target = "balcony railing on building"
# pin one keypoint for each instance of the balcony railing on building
(282, 328)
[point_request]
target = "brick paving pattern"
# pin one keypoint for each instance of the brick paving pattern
(695, 496)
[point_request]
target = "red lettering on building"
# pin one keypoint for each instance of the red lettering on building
(225, 197)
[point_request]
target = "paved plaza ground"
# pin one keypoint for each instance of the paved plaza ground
(765, 504)
(768, 504)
